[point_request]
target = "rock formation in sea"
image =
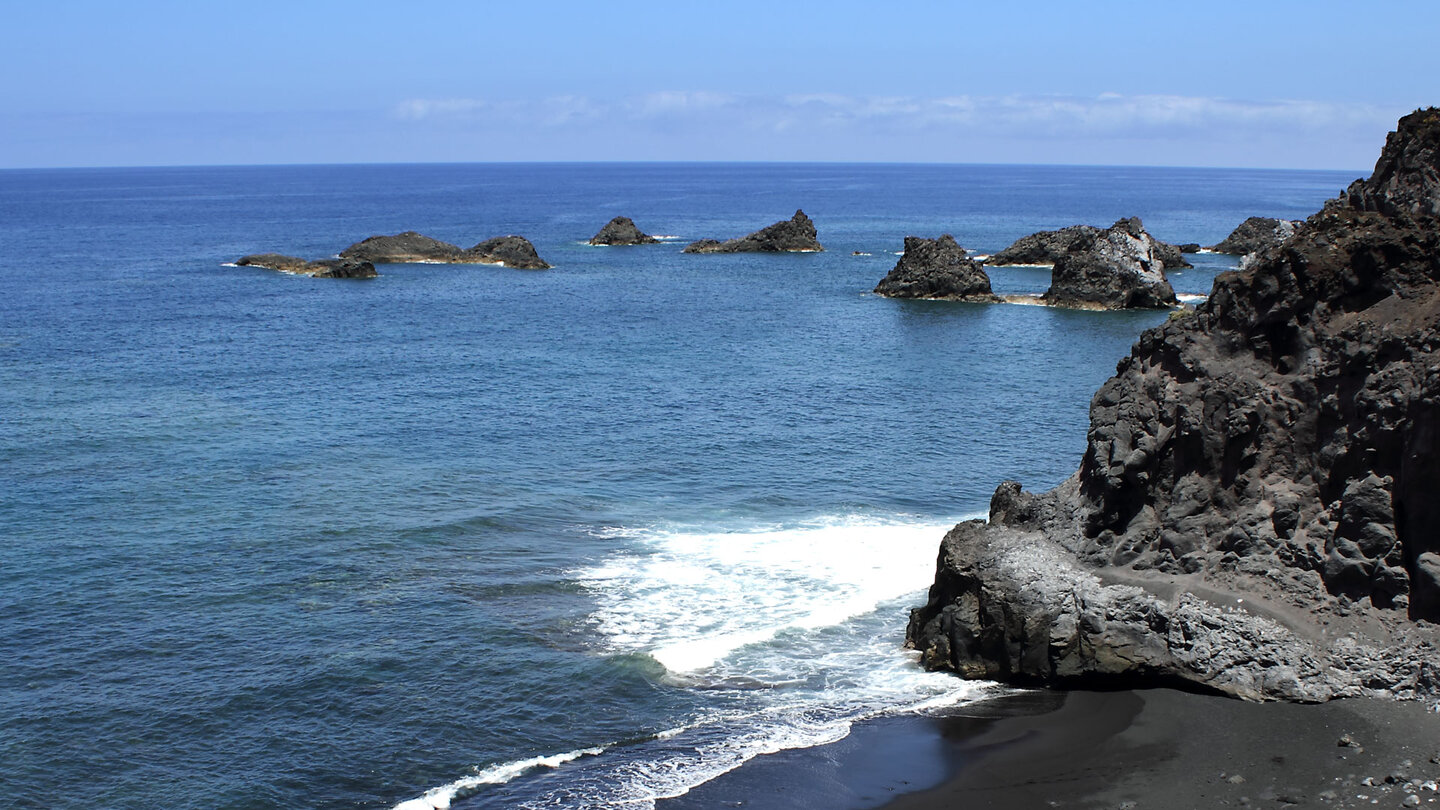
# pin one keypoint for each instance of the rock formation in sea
(936, 268)
(414, 248)
(622, 231)
(324, 268)
(1255, 512)
(1256, 234)
(1046, 248)
(1120, 267)
(794, 235)
(1189, 247)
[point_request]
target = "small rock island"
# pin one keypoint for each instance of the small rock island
(1255, 234)
(1046, 248)
(1120, 267)
(937, 269)
(415, 248)
(622, 231)
(323, 268)
(794, 235)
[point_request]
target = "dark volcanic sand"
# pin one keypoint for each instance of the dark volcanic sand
(1128, 750)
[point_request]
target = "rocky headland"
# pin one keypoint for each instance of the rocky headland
(937, 268)
(622, 231)
(415, 248)
(1120, 267)
(1255, 510)
(1255, 234)
(323, 268)
(794, 235)
(1047, 248)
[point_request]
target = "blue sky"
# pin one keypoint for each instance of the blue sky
(1266, 84)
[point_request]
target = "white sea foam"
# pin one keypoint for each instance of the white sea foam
(1190, 298)
(440, 798)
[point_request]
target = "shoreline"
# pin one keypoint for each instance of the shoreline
(1124, 749)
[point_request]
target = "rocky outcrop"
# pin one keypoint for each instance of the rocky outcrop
(936, 268)
(1256, 234)
(1047, 247)
(1255, 510)
(324, 268)
(1121, 267)
(511, 251)
(403, 248)
(1189, 247)
(415, 248)
(794, 235)
(622, 231)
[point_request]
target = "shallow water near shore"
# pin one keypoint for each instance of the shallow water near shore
(576, 538)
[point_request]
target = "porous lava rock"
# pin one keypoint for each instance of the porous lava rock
(794, 235)
(1255, 511)
(622, 231)
(937, 268)
(511, 251)
(1120, 267)
(1047, 247)
(1256, 234)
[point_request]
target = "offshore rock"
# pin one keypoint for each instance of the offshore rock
(403, 248)
(1254, 513)
(325, 268)
(1047, 247)
(415, 248)
(511, 251)
(794, 235)
(1256, 234)
(622, 231)
(936, 268)
(1121, 267)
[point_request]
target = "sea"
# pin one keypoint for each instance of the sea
(482, 537)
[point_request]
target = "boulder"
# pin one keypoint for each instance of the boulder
(622, 231)
(1256, 234)
(794, 235)
(1121, 267)
(324, 268)
(1254, 512)
(936, 268)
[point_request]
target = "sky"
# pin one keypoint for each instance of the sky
(1246, 84)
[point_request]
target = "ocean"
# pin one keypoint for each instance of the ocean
(470, 535)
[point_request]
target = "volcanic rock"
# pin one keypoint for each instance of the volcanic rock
(325, 268)
(511, 251)
(622, 231)
(1255, 510)
(936, 268)
(1121, 267)
(1189, 247)
(403, 248)
(794, 235)
(1047, 247)
(1256, 234)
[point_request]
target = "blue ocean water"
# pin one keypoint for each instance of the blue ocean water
(503, 538)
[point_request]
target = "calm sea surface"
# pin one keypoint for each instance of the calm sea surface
(464, 533)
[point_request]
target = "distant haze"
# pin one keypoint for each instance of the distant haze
(1279, 84)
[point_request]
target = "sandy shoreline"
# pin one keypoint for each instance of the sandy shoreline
(1125, 749)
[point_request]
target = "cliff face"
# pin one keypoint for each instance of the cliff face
(1269, 458)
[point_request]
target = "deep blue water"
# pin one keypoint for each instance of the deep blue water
(271, 541)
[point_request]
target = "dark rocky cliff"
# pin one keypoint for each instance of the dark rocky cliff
(1120, 267)
(622, 231)
(794, 235)
(1256, 509)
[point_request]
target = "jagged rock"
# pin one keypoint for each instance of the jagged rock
(1121, 267)
(325, 268)
(936, 268)
(403, 248)
(1189, 247)
(1255, 510)
(414, 248)
(511, 251)
(1256, 234)
(622, 231)
(1047, 247)
(794, 235)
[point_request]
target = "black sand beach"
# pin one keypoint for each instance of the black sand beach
(1124, 749)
